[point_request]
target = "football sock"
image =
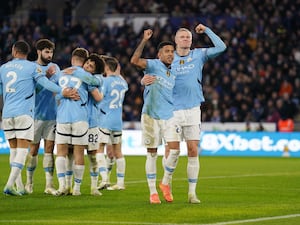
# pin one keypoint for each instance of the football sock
(30, 167)
(121, 165)
(48, 165)
(17, 165)
(109, 165)
(93, 171)
(12, 155)
(69, 170)
(78, 175)
(101, 163)
(163, 161)
(151, 172)
(193, 168)
(170, 165)
(60, 165)
(19, 182)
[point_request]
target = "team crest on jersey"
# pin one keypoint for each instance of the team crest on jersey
(38, 70)
(181, 62)
(168, 73)
(189, 59)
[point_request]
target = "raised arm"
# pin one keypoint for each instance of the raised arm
(219, 45)
(136, 57)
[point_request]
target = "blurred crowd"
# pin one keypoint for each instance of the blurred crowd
(256, 80)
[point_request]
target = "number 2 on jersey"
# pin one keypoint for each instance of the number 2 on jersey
(13, 77)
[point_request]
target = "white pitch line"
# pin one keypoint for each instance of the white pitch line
(255, 220)
(225, 177)
(251, 175)
(145, 223)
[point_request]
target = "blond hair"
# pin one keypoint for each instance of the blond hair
(183, 29)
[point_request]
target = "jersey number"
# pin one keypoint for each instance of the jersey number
(118, 98)
(13, 77)
(63, 81)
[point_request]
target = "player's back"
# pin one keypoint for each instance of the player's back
(70, 111)
(18, 85)
(114, 88)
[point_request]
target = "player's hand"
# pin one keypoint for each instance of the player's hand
(200, 28)
(147, 34)
(71, 93)
(148, 79)
(50, 71)
(69, 71)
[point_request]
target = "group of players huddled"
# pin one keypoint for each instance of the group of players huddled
(75, 109)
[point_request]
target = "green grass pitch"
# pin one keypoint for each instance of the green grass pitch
(232, 190)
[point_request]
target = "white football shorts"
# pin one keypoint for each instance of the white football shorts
(93, 139)
(20, 127)
(110, 137)
(44, 129)
(154, 131)
(72, 133)
(189, 121)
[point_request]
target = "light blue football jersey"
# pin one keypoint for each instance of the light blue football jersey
(111, 107)
(45, 103)
(158, 97)
(18, 79)
(188, 91)
(70, 111)
(93, 111)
